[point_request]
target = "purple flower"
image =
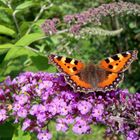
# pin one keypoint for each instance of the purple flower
(46, 97)
(84, 107)
(44, 135)
(52, 108)
(98, 111)
(45, 85)
(69, 119)
(26, 124)
(41, 108)
(3, 115)
(131, 135)
(81, 127)
(34, 109)
(75, 28)
(2, 97)
(22, 113)
(41, 117)
(49, 27)
(22, 98)
(64, 109)
(76, 22)
(17, 106)
(61, 125)
(8, 81)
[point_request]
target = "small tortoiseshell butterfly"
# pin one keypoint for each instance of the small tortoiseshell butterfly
(102, 77)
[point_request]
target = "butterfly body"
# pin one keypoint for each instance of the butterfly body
(102, 77)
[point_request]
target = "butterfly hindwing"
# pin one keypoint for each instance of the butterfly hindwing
(77, 84)
(111, 81)
(105, 83)
(119, 62)
(66, 65)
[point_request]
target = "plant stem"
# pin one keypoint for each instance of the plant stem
(15, 20)
(34, 50)
(43, 8)
(14, 15)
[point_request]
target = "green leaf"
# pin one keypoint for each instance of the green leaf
(23, 59)
(6, 46)
(29, 38)
(25, 5)
(6, 131)
(7, 31)
(132, 89)
(4, 1)
(20, 135)
(132, 25)
(8, 10)
(39, 22)
(16, 52)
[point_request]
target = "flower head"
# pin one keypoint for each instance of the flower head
(46, 97)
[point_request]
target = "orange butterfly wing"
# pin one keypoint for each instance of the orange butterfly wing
(119, 62)
(67, 65)
(109, 83)
(113, 67)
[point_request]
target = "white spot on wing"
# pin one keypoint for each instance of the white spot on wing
(120, 56)
(72, 62)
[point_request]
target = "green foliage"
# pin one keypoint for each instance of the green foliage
(4, 134)
(6, 31)
(24, 47)
(20, 135)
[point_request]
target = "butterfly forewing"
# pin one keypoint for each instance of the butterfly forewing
(119, 62)
(67, 65)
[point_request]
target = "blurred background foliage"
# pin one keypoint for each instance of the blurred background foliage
(25, 47)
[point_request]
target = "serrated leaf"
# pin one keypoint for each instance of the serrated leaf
(25, 5)
(7, 31)
(20, 135)
(29, 38)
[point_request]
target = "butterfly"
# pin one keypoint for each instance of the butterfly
(104, 76)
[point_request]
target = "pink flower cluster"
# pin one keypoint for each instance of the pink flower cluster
(36, 99)
(94, 16)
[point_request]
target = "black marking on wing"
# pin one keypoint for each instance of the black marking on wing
(74, 68)
(75, 62)
(110, 66)
(115, 57)
(68, 60)
(115, 83)
(107, 60)
(124, 54)
(59, 58)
